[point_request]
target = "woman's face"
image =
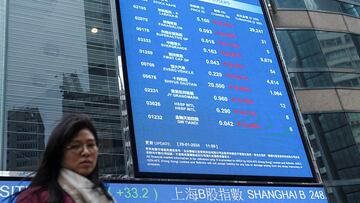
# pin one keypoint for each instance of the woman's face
(80, 155)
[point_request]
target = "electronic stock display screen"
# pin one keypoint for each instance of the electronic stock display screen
(206, 90)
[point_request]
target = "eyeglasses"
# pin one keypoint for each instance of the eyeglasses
(78, 148)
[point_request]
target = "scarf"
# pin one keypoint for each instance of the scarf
(80, 189)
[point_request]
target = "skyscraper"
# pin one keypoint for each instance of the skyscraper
(25, 139)
(57, 57)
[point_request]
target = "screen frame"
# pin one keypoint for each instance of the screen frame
(280, 179)
(196, 182)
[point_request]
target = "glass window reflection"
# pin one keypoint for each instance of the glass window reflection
(354, 120)
(301, 49)
(355, 1)
(346, 79)
(350, 9)
(319, 50)
(346, 158)
(337, 154)
(55, 65)
(325, 5)
(346, 7)
(339, 49)
(331, 121)
(310, 80)
(299, 4)
(339, 138)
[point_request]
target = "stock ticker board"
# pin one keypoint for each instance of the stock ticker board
(206, 90)
(167, 193)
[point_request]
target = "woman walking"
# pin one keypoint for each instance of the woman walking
(68, 171)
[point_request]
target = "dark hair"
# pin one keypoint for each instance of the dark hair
(47, 174)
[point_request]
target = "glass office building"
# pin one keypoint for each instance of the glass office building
(320, 41)
(58, 57)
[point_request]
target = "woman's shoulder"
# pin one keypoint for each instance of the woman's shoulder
(38, 195)
(32, 195)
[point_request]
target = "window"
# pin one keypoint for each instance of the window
(338, 155)
(324, 5)
(346, 6)
(350, 9)
(319, 50)
(346, 79)
(299, 4)
(301, 49)
(310, 80)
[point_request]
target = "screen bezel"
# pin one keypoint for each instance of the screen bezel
(141, 174)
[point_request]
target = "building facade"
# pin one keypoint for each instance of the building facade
(320, 42)
(58, 57)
